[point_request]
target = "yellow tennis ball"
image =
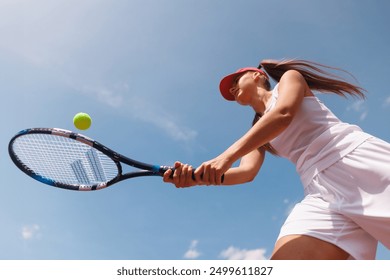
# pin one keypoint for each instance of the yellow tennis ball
(82, 121)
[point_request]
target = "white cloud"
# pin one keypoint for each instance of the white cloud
(138, 107)
(387, 102)
(104, 95)
(359, 107)
(289, 206)
(54, 37)
(192, 252)
(44, 32)
(233, 253)
(31, 232)
(152, 113)
(172, 128)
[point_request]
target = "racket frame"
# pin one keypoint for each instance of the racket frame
(146, 169)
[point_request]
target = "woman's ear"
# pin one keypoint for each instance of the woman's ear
(256, 75)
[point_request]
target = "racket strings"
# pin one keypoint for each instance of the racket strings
(64, 159)
(80, 172)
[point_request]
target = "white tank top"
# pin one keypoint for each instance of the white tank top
(316, 138)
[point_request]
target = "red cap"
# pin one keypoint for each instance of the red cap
(226, 82)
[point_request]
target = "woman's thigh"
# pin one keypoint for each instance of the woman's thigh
(303, 247)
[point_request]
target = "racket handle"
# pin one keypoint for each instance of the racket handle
(201, 176)
(193, 174)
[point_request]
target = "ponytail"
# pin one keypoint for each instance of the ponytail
(315, 75)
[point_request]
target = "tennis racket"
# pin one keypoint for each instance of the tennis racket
(72, 161)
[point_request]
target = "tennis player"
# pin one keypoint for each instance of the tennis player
(345, 172)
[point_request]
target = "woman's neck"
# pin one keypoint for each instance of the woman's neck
(261, 100)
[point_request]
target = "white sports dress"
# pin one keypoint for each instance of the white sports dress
(345, 173)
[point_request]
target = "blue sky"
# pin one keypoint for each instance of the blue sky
(148, 73)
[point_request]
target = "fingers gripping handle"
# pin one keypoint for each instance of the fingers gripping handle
(201, 176)
(165, 168)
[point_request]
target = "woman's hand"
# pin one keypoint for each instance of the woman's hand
(211, 172)
(181, 177)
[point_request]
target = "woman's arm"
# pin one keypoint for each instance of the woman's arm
(247, 170)
(292, 89)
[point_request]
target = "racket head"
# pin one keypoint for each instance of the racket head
(64, 159)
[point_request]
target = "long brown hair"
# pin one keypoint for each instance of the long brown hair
(317, 76)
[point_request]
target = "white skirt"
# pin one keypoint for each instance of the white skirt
(348, 204)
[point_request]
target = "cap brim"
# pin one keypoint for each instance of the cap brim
(226, 84)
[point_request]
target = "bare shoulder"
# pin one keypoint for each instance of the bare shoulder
(292, 76)
(293, 79)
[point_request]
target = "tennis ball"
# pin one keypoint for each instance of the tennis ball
(82, 121)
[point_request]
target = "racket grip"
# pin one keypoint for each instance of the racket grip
(173, 171)
(201, 176)
(193, 175)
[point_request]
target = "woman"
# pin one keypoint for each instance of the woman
(345, 172)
